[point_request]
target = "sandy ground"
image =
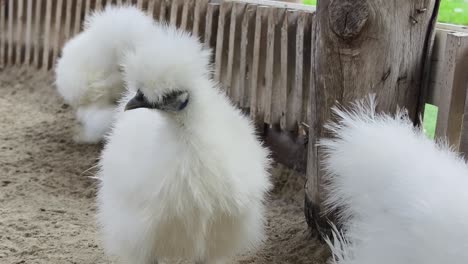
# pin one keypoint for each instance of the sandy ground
(47, 197)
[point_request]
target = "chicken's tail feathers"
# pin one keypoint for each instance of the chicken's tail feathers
(362, 152)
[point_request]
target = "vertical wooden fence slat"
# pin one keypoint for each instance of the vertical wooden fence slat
(283, 95)
(10, 31)
(46, 44)
(221, 46)
(174, 12)
(163, 11)
(295, 105)
(290, 119)
(57, 34)
(246, 50)
(37, 32)
(452, 90)
(270, 64)
(464, 130)
(309, 118)
(150, 10)
(196, 19)
(185, 14)
(98, 5)
(119, 2)
(307, 53)
(77, 23)
(140, 4)
(199, 17)
(2, 34)
(68, 16)
(437, 71)
(87, 7)
(312, 91)
(233, 59)
(276, 94)
(19, 33)
(258, 67)
(212, 14)
(27, 35)
(313, 184)
(157, 9)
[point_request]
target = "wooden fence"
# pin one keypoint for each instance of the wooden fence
(449, 84)
(262, 52)
(262, 56)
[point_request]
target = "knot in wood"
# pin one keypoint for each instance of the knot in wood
(348, 17)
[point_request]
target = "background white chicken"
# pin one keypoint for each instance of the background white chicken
(401, 197)
(183, 174)
(88, 74)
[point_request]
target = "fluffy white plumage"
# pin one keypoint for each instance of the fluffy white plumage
(88, 74)
(180, 184)
(403, 198)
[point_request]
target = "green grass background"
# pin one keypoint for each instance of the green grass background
(451, 11)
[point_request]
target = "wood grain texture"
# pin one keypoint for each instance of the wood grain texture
(97, 5)
(273, 86)
(140, 4)
(77, 23)
(246, 53)
(10, 41)
(294, 103)
(211, 28)
(2, 36)
(47, 36)
(87, 7)
(37, 32)
(362, 54)
(258, 66)
(57, 31)
(437, 71)
(175, 10)
(222, 38)
(288, 24)
(199, 18)
(233, 59)
(280, 4)
(451, 87)
(464, 130)
(150, 8)
(212, 13)
(19, 31)
(188, 9)
(68, 16)
(163, 12)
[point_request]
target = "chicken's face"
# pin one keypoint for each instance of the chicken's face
(172, 101)
(166, 71)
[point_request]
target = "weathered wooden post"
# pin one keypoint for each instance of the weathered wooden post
(362, 47)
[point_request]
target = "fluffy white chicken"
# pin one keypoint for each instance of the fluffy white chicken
(402, 198)
(88, 74)
(182, 174)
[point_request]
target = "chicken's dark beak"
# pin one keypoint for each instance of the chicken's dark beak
(174, 101)
(139, 101)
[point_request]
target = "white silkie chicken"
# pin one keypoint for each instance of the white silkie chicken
(402, 198)
(183, 175)
(88, 74)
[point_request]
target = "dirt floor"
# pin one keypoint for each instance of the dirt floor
(47, 195)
